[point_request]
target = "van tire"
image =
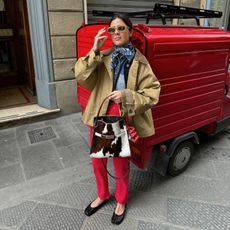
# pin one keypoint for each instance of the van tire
(180, 158)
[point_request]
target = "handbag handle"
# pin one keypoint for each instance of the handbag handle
(101, 105)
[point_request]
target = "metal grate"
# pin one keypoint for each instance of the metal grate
(53, 217)
(39, 135)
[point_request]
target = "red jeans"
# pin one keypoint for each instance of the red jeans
(121, 166)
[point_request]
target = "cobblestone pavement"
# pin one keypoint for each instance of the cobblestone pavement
(46, 181)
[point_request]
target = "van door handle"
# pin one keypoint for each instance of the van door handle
(226, 90)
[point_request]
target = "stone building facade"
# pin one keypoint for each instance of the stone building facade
(64, 18)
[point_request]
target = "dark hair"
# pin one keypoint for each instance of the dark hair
(124, 18)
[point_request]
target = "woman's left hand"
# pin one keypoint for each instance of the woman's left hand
(115, 96)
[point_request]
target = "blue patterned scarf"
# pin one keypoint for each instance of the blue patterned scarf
(120, 57)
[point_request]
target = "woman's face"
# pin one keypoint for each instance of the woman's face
(120, 38)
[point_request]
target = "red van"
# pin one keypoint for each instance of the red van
(192, 65)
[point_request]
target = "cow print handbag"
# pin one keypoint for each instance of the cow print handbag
(110, 137)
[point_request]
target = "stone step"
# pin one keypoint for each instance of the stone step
(23, 112)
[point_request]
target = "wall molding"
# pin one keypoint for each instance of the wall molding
(41, 49)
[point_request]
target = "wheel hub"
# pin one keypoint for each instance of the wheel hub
(182, 158)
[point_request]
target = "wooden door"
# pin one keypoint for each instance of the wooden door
(20, 51)
(8, 69)
(24, 50)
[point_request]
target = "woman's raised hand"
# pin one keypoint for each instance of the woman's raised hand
(99, 40)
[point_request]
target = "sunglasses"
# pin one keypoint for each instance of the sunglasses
(112, 30)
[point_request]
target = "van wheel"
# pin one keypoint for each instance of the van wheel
(180, 158)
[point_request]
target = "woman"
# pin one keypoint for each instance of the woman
(123, 75)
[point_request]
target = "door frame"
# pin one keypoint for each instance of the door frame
(41, 50)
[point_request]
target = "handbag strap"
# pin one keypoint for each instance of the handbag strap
(114, 177)
(101, 105)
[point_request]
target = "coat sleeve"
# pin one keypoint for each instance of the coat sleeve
(86, 70)
(146, 96)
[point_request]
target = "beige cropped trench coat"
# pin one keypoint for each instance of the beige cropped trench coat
(143, 89)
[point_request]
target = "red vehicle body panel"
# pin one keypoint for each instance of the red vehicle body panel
(191, 64)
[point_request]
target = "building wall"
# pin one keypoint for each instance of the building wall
(65, 16)
(219, 5)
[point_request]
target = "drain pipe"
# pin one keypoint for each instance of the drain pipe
(208, 7)
(85, 12)
(226, 20)
(175, 21)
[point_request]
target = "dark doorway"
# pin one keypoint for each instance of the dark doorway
(16, 62)
(17, 78)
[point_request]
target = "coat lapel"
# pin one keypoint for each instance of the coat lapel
(133, 72)
(131, 84)
(107, 61)
(106, 58)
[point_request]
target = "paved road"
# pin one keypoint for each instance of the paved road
(46, 181)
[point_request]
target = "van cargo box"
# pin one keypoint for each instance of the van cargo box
(191, 64)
